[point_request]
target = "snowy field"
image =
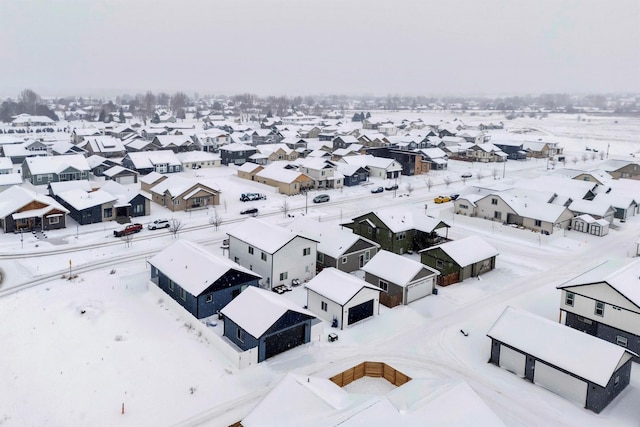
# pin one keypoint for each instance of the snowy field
(76, 352)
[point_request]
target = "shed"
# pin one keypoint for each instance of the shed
(401, 279)
(341, 298)
(553, 356)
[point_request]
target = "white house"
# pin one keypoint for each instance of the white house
(341, 298)
(273, 252)
(605, 302)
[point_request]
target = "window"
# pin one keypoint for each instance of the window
(621, 341)
(323, 306)
(320, 257)
(569, 299)
(108, 213)
(367, 255)
(344, 259)
(599, 308)
(497, 215)
(538, 223)
(39, 178)
(401, 236)
(54, 219)
(183, 294)
(236, 260)
(306, 251)
(263, 256)
(463, 206)
(368, 230)
(171, 284)
(251, 250)
(176, 202)
(439, 263)
(283, 276)
(240, 334)
(383, 285)
(209, 298)
(494, 201)
(616, 381)
(138, 208)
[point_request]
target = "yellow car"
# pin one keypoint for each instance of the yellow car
(442, 199)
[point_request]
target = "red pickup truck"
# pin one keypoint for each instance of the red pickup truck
(129, 229)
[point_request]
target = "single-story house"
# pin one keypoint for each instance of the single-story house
(181, 194)
(88, 207)
(341, 298)
(554, 356)
(585, 223)
(460, 259)
(401, 279)
(43, 170)
(198, 159)
(22, 209)
(263, 319)
(197, 279)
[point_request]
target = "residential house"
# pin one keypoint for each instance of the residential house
(184, 194)
(399, 229)
(275, 253)
(344, 141)
(262, 319)
(601, 209)
(604, 302)
(151, 179)
(175, 143)
(25, 210)
(622, 169)
(211, 139)
(436, 159)
(130, 202)
(121, 175)
(513, 149)
(105, 146)
(199, 159)
(585, 223)
(162, 161)
(460, 259)
(88, 207)
(236, 153)
(542, 149)
(43, 170)
(485, 153)
(197, 279)
(410, 161)
(277, 152)
(402, 280)
(8, 180)
(249, 170)
(555, 357)
(287, 181)
(340, 298)
(378, 167)
(625, 205)
(322, 171)
(78, 135)
(353, 174)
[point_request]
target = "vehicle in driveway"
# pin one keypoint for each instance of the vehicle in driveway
(321, 198)
(391, 187)
(129, 229)
(377, 190)
(249, 211)
(442, 199)
(466, 175)
(454, 196)
(159, 223)
(247, 197)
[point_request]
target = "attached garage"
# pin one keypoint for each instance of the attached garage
(360, 312)
(284, 340)
(419, 289)
(578, 366)
(126, 179)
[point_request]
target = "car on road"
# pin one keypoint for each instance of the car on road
(249, 211)
(159, 223)
(391, 187)
(466, 175)
(321, 198)
(377, 190)
(442, 199)
(129, 229)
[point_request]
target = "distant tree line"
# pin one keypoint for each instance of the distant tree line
(29, 102)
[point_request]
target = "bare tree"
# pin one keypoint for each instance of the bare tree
(593, 156)
(175, 227)
(30, 99)
(429, 183)
(584, 157)
(602, 155)
(447, 180)
(480, 175)
(178, 102)
(409, 188)
(574, 160)
(215, 220)
(285, 207)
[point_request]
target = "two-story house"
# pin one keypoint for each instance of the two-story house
(323, 171)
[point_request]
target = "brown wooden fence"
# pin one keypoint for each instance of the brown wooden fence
(371, 369)
(449, 279)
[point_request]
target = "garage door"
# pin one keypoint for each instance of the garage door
(419, 289)
(127, 179)
(283, 341)
(512, 360)
(360, 311)
(558, 382)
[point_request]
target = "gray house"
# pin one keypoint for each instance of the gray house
(200, 281)
(266, 320)
(43, 170)
(553, 356)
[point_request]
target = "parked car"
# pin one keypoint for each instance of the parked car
(249, 211)
(377, 190)
(129, 229)
(466, 175)
(321, 198)
(442, 199)
(454, 196)
(247, 197)
(159, 223)
(391, 187)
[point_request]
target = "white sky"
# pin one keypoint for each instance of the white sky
(291, 47)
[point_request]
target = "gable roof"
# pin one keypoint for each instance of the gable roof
(80, 199)
(559, 345)
(395, 268)
(193, 267)
(263, 235)
(466, 251)
(332, 241)
(403, 218)
(177, 186)
(148, 159)
(255, 310)
(338, 286)
(55, 164)
(16, 197)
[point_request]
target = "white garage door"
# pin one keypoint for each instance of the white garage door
(558, 382)
(512, 360)
(419, 289)
(127, 179)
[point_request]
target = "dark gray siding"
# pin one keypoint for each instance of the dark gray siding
(231, 332)
(599, 397)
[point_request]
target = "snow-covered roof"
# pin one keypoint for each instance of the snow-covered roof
(559, 345)
(62, 186)
(249, 167)
(237, 146)
(106, 144)
(599, 208)
(178, 185)
(115, 170)
(332, 240)
(255, 310)
(622, 274)
(263, 235)
(148, 159)
(395, 268)
(338, 286)
(403, 218)
(277, 172)
(151, 177)
(467, 251)
(81, 199)
(197, 156)
(193, 267)
(16, 197)
(56, 164)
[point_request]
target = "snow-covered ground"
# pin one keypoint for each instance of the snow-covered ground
(73, 352)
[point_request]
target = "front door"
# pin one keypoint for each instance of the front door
(361, 260)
